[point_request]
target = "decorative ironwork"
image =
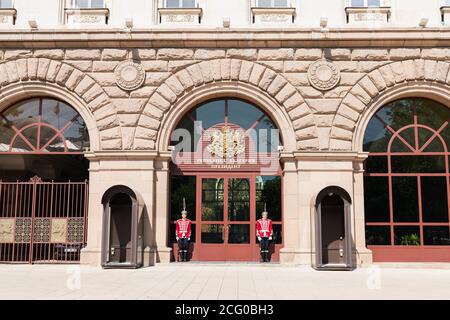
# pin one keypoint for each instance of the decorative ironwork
(42, 221)
(41, 231)
(75, 230)
(35, 179)
(23, 230)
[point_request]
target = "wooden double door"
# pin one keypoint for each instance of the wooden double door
(226, 218)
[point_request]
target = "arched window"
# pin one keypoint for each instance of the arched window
(406, 185)
(235, 113)
(42, 125)
(225, 172)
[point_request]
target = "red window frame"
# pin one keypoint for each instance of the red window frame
(415, 150)
(37, 148)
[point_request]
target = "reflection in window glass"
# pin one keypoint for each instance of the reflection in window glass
(264, 135)
(376, 164)
(268, 191)
(212, 199)
(272, 3)
(378, 235)
(180, 3)
(212, 233)
(60, 127)
(405, 199)
(88, 4)
(376, 199)
(415, 174)
(182, 187)
(238, 199)
(6, 4)
(436, 236)
(434, 199)
(418, 164)
(239, 233)
(377, 137)
(365, 3)
(407, 236)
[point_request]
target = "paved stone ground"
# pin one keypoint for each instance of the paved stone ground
(223, 281)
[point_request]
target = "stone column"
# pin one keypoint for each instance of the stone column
(91, 254)
(134, 170)
(163, 252)
(363, 256)
(290, 210)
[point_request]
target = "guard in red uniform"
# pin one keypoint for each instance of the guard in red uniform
(264, 233)
(183, 235)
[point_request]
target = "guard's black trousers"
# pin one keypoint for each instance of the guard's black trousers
(183, 244)
(264, 247)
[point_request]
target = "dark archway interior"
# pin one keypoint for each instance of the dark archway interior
(333, 229)
(56, 167)
(120, 229)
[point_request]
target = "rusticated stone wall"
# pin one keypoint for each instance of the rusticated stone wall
(321, 119)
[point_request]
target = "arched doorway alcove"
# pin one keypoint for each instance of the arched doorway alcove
(43, 182)
(406, 183)
(122, 244)
(225, 163)
(333, 237)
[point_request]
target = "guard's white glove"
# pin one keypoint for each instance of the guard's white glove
(270, 238)
(259, 239)
(189, 239)
(178, 238)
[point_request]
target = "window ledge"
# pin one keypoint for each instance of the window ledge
(7, 16)
(180, 15)
(445, 9)
(368, 14)
(87, 16)
(273, 15)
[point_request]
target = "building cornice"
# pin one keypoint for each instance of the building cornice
(216, 38)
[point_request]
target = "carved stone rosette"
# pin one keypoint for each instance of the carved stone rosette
(129, 75)
(324, 75)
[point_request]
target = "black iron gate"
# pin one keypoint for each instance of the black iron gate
(42, 222)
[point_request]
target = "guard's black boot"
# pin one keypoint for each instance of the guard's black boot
(262, 256)
(184, 255)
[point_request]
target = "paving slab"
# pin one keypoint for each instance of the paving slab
(223, 281)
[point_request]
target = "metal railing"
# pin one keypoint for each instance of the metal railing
(42, 222)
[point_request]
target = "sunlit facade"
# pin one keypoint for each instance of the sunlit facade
(332, 115)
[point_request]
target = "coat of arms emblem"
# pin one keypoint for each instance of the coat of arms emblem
(226, 143)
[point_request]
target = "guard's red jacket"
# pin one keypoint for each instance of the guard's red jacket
(183, 228)
(264, 228)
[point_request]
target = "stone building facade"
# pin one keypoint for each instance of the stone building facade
(321, 89)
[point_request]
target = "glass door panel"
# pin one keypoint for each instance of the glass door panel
(239, 233)
(212, 233)
(212, 199)
(238, 199)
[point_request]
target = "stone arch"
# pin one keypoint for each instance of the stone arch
(380, 86)
(232, 73)
(23, 77)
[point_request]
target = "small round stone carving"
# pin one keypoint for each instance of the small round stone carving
(129, 75)
(324, 75)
